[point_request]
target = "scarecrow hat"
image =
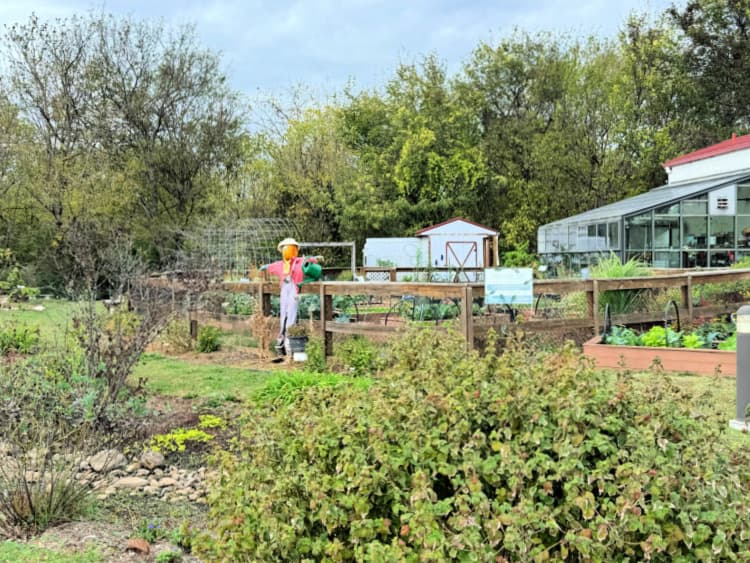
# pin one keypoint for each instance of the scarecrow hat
(287, 242)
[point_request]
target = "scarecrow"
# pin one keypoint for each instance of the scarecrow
(291, 270)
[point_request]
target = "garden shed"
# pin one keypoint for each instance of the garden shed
(456, 244)
(700, 218)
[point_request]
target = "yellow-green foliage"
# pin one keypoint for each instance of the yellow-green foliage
(211, 421)
(453, 456)
(176, 441)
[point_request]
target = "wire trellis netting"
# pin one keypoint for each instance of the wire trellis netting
(235, 250)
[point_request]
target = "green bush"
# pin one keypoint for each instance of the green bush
(176, 337)
(18, 339)
(454, 456)
(620, 301)
(239, 304)
(358, 355)
(519, 257)
(316, 360)
(208, 339)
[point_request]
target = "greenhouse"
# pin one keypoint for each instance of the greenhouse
(700, 218)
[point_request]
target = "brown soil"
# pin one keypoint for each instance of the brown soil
(110, 540)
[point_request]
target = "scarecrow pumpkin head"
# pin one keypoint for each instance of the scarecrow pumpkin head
(289, 248)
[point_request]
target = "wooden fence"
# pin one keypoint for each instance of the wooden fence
(464, 294)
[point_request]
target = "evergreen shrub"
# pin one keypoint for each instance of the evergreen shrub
(450, 455)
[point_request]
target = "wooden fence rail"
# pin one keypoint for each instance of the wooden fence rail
(465, 293)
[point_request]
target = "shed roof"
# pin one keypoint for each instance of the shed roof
(478, 229)
(724, 147)
(643, 202)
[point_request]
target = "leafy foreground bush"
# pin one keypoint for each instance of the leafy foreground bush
(455, 456)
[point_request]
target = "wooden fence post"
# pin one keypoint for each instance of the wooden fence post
(467, 316)
(687, 297)
(392, 275)
(265, 300)
(326, 316)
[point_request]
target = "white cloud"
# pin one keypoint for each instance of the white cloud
(271, 44)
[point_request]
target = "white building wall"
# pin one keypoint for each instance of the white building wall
(405, 252)
(714, 166)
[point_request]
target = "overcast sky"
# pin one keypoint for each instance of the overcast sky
(268, 46)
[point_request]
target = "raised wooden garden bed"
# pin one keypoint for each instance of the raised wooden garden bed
(697, 361)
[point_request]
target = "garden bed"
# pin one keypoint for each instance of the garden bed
(697, 361)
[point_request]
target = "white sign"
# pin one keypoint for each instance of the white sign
(509, 286)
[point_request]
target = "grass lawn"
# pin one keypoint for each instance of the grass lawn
(53, 322)
(169, 376)
(13, 552)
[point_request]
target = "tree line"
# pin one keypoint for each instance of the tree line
(123, 129)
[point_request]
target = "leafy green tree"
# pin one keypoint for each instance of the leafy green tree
(418, 154)
(717, 56)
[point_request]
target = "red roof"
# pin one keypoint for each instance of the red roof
(730, 145)
(424, 230)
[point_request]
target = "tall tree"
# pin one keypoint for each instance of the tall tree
(717, 35)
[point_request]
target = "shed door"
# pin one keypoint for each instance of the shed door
(460, 255)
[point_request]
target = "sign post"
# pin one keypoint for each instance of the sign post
(509, 286)
(742, 379)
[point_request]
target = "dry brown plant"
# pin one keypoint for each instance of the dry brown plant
(263, 329)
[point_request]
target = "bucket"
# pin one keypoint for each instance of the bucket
(312, 271)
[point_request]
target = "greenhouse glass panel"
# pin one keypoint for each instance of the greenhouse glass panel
(638, 232)
(667, 232)
(743, 232)
(614, 236)
(694, 232)
(673, 209)
(721, 259)
(666, 260)
(694, 259)
(722, 232)
(695, 206)
(743, 199)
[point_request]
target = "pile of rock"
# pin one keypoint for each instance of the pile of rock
(109, 472)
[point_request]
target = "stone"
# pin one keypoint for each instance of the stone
(152, 460)
(6, 448)
(133, 467)
(142, 473)
(106, 461)
(130, 483)
(167, 482)
(117, 473)
(84, 465)
(138, 545)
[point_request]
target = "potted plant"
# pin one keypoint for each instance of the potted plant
(297, 335)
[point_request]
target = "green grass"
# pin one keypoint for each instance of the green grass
(53, 322)
(13, 552)
(234, 340)
(168, 376)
